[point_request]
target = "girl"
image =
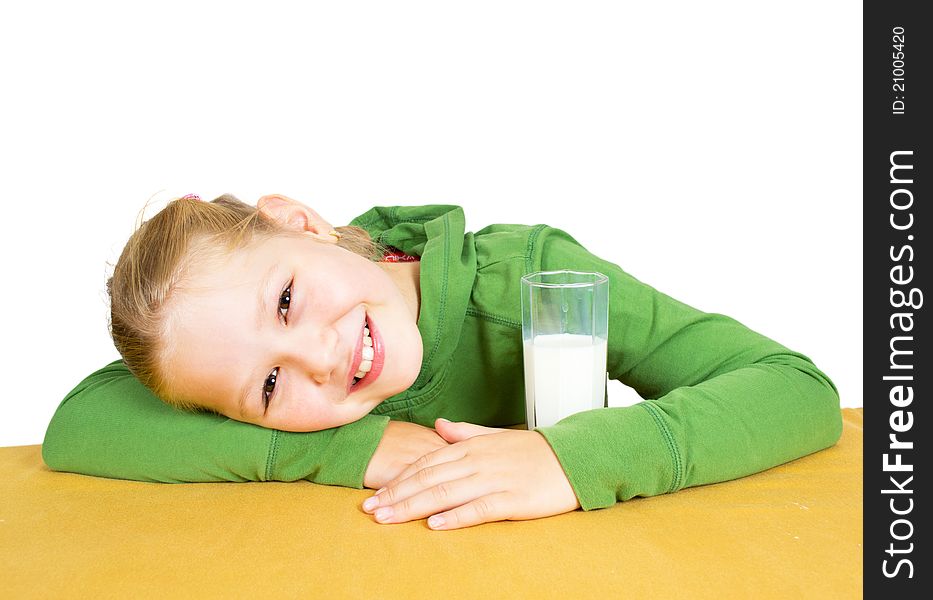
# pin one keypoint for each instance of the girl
(299, 351)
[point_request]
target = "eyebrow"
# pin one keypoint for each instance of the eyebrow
(261, 315)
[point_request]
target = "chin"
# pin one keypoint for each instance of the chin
(408, 378)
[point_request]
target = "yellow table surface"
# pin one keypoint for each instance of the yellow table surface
(793, 531)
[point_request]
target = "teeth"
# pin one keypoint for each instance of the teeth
(367, 364)
(365, 367)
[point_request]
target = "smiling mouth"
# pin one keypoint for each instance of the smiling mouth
(371, 356)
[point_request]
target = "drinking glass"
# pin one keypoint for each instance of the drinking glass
(565, 328)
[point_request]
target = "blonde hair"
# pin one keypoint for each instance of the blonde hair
(158, 256)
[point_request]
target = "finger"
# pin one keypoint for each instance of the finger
(457, 432)
(441, 455)
(485, 509)
(426, 478)
(443, 496)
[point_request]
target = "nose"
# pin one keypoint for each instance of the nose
(317, 354)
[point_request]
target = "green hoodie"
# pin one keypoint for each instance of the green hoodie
(721, 400)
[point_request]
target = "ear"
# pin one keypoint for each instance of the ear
(296, 216)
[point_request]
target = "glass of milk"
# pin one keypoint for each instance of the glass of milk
(565, 328)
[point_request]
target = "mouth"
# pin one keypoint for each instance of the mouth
(368, 358)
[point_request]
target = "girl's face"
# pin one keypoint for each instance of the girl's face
(273, 335)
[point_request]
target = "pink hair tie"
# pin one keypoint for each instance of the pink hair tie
(191, 197)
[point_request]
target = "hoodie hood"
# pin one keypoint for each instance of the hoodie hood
(435, 233)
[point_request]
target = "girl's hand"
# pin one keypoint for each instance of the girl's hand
(401, 444)
(485, 475)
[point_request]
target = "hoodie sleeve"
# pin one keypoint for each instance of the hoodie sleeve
(721, 401)
(110, 425)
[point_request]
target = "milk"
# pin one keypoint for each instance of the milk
(564, 374)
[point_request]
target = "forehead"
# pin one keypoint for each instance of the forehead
(206, 337)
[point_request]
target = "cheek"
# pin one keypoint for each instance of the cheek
(306, 416)
(313, 416)
(361, 277)
(342, 288)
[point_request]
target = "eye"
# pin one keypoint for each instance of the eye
(285, 301)
(268, 387)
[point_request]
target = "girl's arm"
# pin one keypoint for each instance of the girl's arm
(110, 425)
(722, 401)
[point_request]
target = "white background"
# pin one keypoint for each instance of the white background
(712, 149)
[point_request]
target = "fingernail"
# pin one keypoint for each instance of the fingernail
(384, 513)
(371, 503)
(436, 521)
(444, 420)
(380, 491)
